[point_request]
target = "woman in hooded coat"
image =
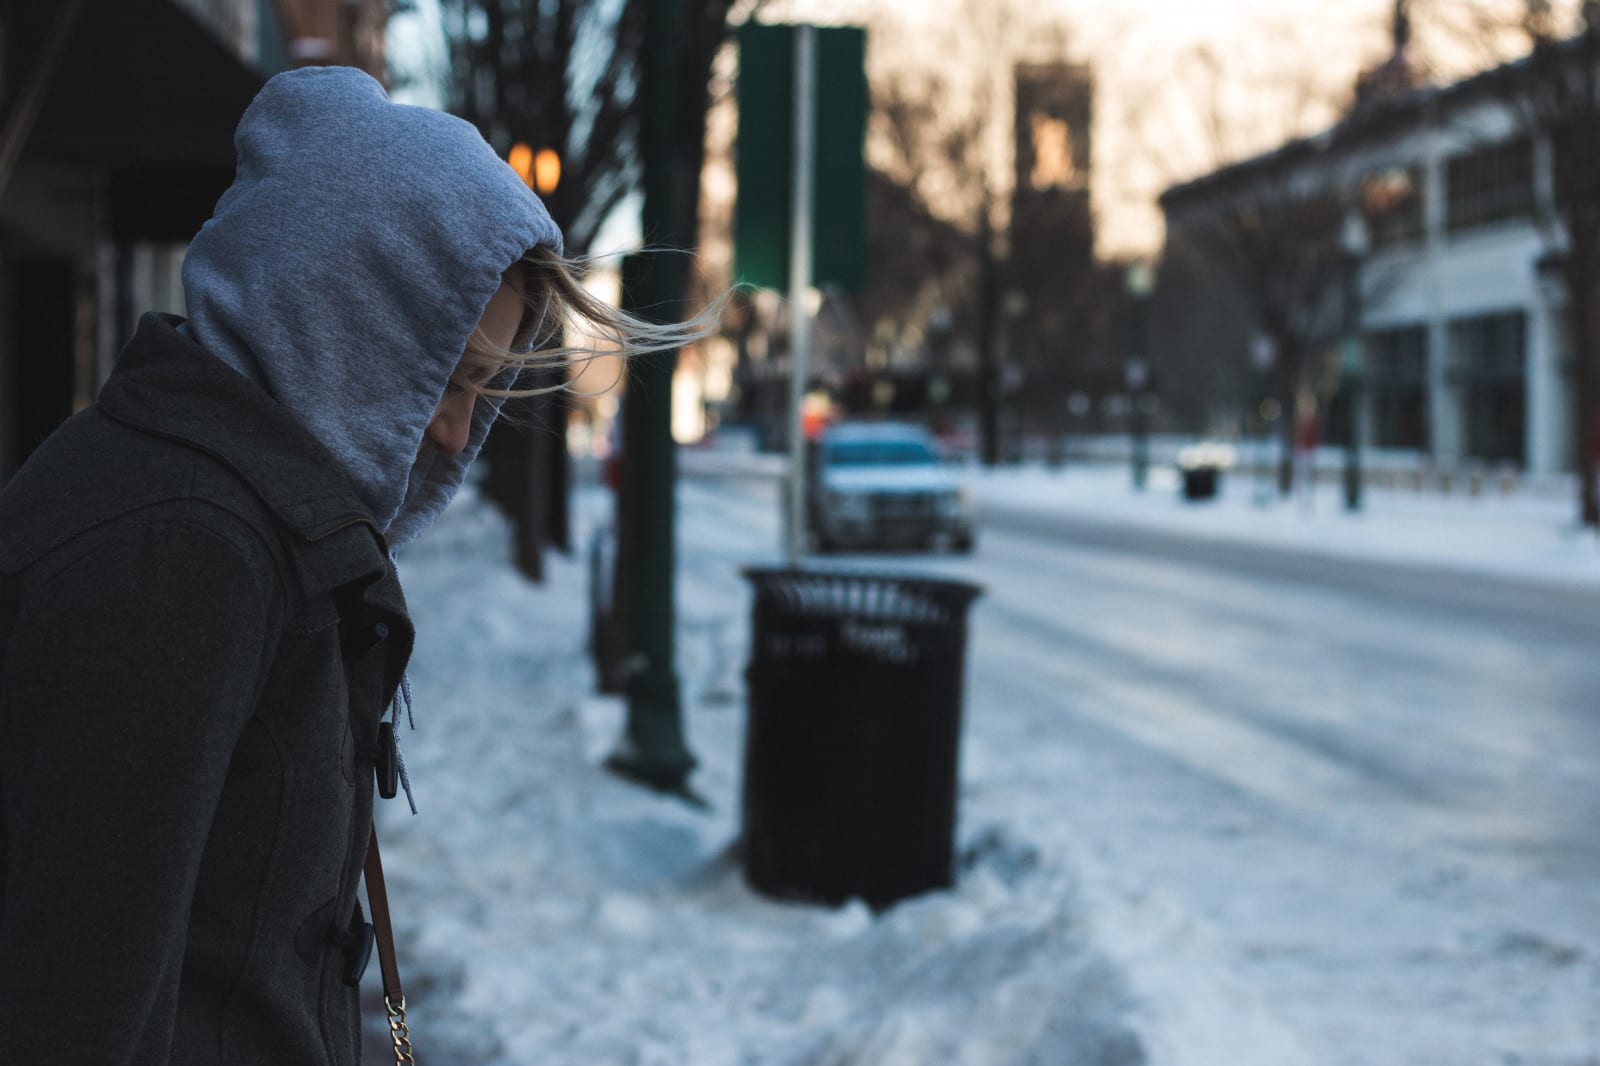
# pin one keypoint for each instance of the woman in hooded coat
(202, 634)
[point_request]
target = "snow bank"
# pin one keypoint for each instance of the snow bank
(1522, 536)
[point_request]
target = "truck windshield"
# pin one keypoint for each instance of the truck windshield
(880, 453)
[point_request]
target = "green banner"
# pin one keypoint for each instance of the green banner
(765, 157)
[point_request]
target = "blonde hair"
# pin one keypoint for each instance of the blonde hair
(557, 303)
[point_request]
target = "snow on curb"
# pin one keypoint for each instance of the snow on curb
(1528, 538)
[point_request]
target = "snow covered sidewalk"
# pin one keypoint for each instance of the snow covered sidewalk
(548, 913)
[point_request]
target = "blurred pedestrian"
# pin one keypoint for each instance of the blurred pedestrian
(202, 635)
(1307, 438)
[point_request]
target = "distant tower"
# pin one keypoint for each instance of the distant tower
(1051, 222)
(1052, 263)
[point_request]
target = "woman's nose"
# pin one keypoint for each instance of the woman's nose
(452, 423)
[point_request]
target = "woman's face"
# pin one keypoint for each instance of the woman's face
(452, 419)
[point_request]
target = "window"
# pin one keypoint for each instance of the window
(236, 22)
(1392, 202)
(1398, 355)
(1397, 370)
(1488, 355)
(1053, 167)
(1489, 186)
(1575, 160)
(1489, 346)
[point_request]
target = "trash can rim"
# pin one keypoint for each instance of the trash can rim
(759, 574)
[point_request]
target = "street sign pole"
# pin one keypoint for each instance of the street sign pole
(800, 225)
(1355, 240)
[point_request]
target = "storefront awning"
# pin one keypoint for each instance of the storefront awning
(146, 96)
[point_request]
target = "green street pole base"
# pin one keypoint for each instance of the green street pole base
(652, 751)
(656, 779)
(1352, 486)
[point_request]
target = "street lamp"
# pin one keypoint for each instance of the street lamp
(1263, 360)
(1353, 242)
(1140, 282)
(938, 334)
(539, 171)
(1012, 376)
(546, 171)
(521, 159)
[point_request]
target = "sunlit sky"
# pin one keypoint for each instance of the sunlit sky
(1271, 69)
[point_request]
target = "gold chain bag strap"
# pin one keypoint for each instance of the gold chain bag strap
(394, 997)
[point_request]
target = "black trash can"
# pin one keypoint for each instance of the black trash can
(1200, 482)
(853, 732)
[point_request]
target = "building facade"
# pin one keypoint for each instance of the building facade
(116, 139)
(1464, 356)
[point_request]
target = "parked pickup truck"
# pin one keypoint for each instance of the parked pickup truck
(882, 485)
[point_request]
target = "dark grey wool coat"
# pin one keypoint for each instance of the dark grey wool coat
(199, 631)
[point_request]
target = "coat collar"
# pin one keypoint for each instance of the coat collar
(167, 385)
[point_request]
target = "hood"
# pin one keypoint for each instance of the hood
(346, 267)
(900, 477)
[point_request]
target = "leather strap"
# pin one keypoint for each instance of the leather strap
(378, 901)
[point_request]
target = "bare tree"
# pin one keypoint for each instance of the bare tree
(566, 75)
(919, 267)
(1555, 93)
(940, 130)
(1278, 246)
(558, 74)
(1269, 228)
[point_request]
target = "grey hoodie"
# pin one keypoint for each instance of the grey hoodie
(346, 267)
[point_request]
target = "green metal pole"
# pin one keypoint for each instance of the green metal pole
(653, 750)
(1141, 443)
(1138, 368)
(1351, 368)
(1352, 464)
